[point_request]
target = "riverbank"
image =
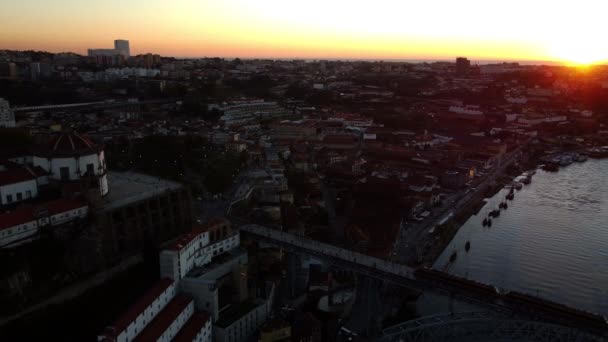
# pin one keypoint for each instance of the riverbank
(470, 205)
(549, 243)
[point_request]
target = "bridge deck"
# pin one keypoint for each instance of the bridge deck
(505, 302)
(320, 248)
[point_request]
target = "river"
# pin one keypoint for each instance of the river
(552, 241)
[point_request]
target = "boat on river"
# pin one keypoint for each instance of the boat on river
(453, 256)
(580, 158)
(551, 167)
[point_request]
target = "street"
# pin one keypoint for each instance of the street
(414, 242)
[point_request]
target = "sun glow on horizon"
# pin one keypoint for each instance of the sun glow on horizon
(542, 30)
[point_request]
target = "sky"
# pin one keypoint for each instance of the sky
(541, 30)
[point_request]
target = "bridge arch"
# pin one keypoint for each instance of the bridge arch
(481, 326)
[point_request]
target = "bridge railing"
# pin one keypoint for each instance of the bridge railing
(331, 251)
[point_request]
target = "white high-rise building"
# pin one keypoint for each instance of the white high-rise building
(122, 47)
(7, 117)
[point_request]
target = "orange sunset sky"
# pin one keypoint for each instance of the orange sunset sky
(567, 31)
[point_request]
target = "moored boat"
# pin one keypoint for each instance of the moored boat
(551, 167)
(453, 256)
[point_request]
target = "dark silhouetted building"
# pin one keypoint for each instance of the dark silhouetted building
(462, 65)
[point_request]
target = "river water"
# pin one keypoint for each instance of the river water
(552, 241)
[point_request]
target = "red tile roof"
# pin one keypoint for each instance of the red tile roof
(185, 239)
(72, 141)
(197, 230)
(16, 217)
(163, 320)
(62, 205)
(194, 325)
(136, 309)
(26, 214)
(16, 175)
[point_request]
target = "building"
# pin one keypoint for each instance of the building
(40, 71)
(244, 112)
(293, 130)
(122, 47)
(7, 117)
(275, 330)
(463, 65)
(101, 52)
(452, 179)
(74, 158)
(161, 314)
(20, 183)
(140, 210)
(306, 328)
(24, 223)
(9, 70)
(202, 294)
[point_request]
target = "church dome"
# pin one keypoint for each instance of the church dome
(73, 144)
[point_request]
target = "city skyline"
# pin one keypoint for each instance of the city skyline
(542, 31)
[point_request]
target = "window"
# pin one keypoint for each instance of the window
(28, 194)
(19, 197)
(65, 173)
(9, 198)
(90, 169)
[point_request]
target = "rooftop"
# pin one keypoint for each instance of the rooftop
(130, 187)
(194, 325)
(29, 213)
(137, 308)
(234, 313)
(155, 329)
(218, 260)
(197, 230)
(16, 175)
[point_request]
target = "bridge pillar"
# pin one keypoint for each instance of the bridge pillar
(294, 266)
(367, 312)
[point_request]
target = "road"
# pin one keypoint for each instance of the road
(413, 237)
(205, 210)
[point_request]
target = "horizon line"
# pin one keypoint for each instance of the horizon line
(415, 60)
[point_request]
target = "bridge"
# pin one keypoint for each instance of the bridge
(104, 104)
(422, 279)
(481, 326)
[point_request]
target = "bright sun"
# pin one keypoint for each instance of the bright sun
(580, 50)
